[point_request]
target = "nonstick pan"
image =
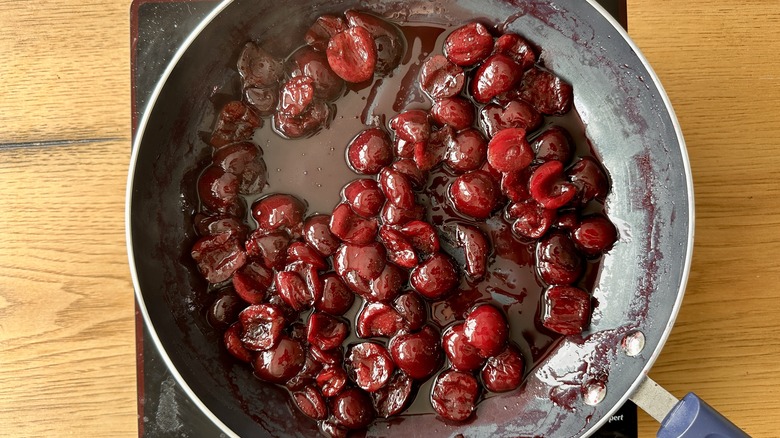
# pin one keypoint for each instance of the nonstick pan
(639, 290)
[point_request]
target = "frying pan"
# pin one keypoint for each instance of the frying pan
(639, 290)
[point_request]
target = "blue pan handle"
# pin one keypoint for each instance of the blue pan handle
(692, 417)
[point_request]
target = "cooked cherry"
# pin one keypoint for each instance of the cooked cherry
(378, 319)
(307, 62)
(323, 29)
(496, 75)
(548, 187)
(235, 122)
(259, 68)
(514, 185)
(509, 151)
(245, 160)
(252, 281)
(331, 429)
(475, 194)
(531, 219)
(224, 310)
(365, 197)
(329, 357)
(314, 118)
(475, 247)
(412, 309)
(469, 44)
(349, 227)
(422, 236)
(261, 326)
(310, 402)
(554, 144)
(316, 232)
(392, 215)
(440, 78)
(399, 250)
(411, 125)
(557, 260)
(403, 148)
(467, 151)
(454, 395)
(276, 301)
(486, 330)
(331, 380)
(293, 290)
(590, 179)
(367, 261)
(392, 398)
(371, 365)
(279, 211)
(453, 111)
(417, 354)
(262, 100)
(397, 188)
(388, 39)
(296, 95)
(435, 278)
(353, 409)
(233, 344)
(503, 372)
(409, 169)
(218, 257)
(513, 114)
(429, 154)
(518, 48)
(302, 252)
(336, 298)
(594, 235)
(280, 363)
(311, 278)
(387, 286)
(566, 221)
(370, 151)
(546, 92)
(218, 190)
(325, 331)
(308, 374)
(462, 355)
(269, 248)
(566, 310)
(352, 54)
(297, 331)
(210, 225)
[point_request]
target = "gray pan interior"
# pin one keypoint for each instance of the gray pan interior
(627, 117)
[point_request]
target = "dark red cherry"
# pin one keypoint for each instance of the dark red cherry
(422, 236)
(370, 151)
(495, 76)
(224, 310)
(252, 281)
(475, 194)
(370, 365)
(475, 247)
(548, 186)
(268, 248)
(557, 260)
(325, 331)
(336, 298)
(307, 123)
(279, 211)
(590, 179)
(258, 68)
(566, 310)
(441, 78)
(363, 261)
(388, 39)
(262, 100)
(218, 257)
(417, 354)
(296, 95)
(392, 398)
(454, 395)
(218, 190)
(531, 219)
(411, 125)
(399, 250)
(408, 168)
(392, 215)
(594, 235)
(352, 54)
(388, 285)
(514, 185)
(316, 232)
(397, 188)
(486, 330)
(503, 372)
(307, 62)
(245, 160)
(233, 344)
(353, 409)
(331, 380)
(412, 309)
(518, 48)
(292, 288)
(462, 355)
(310, 402)
(349, 227)
(323, 29)
(280, 363)
(435, 278)
(509, 151)
(303, 252)
(468, 45)
(467, 151)
(554, 143)
(379, 319)
(456, 112)
(365, 197)
(235, 122)
(513, 114)
(546, 92)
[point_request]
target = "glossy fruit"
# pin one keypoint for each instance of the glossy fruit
(411, 125)
(462, 355)
(475, 247)
(218, 257)
(566, 310)
(518, 48)
(509, 151)
(513, 114)
(530, 219)
(370, 151)
(475, 194)
(303, 252)
(467, 151)
(399, 250)
(370, 365)
(245, 160)
(548, 93)
(269, 248)
(387, 285)
(279, 211)
(292, 288)
(365, 197)
(503, 372)
(589, 178)
(412, 309)
(280, 363)
(496, 75)
(331, 380)
(352, 54)
(310, 402)
(558, 261)
(435, 278)
(223, 312)
(486, 330)
(323, 29)
(336, 298)
(259, 68)
(417, 354)
(296, 95)
(316, 232)
(218, 190)
(554, 143)
(594, 235)
(456, 112)
(454, 395)
(325, 331)
(315, 117)
(252, 281)
(469, 44)
(379, 319)
(422, 236)
(388, 39)
(351, 228)
(307, 62)
(397, 188)
(441, 78)
(353, 409)
(548, 186)
(235, 122)
(233, 344)
(392, 398)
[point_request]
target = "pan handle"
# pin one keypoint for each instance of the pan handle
(690, 417)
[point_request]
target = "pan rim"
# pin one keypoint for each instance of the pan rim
(141, 128)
